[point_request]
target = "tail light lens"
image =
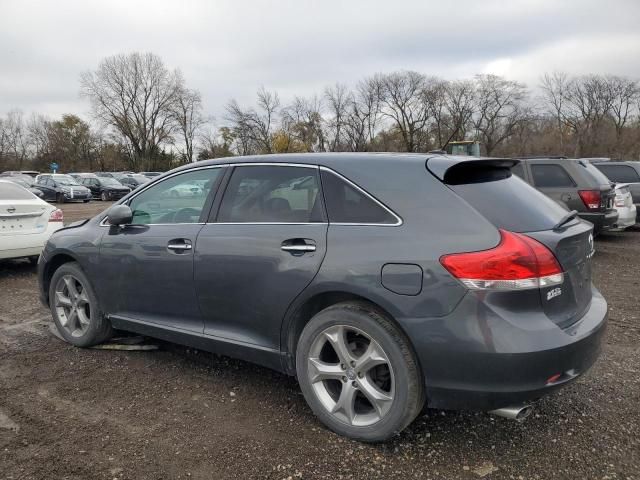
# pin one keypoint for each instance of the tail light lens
(517, 263)
(56, 216)
(620, 201)
(590, 198)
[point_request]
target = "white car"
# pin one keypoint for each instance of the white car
(625, 208)
(26, 222)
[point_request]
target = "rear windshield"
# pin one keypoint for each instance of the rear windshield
(11, 191)
(507, 201)
(600, 177)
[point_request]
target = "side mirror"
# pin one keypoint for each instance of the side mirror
(119, 215)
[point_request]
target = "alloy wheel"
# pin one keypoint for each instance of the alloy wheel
(351, 375)
(72, 305)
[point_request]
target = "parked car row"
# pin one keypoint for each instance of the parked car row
(578, 184)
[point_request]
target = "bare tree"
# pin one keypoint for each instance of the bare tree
(16, 138)
(338, 99)
(460, 102)
(403, 102)
(187, 112)
(500, 108)
(302, 122)
(623, 94)
(554, 92)
(135, 95)
(253, 128)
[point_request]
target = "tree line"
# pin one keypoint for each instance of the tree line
(144, 117)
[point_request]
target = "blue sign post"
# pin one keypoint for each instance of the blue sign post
(54, 167)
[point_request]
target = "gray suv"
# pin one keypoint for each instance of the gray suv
(624, 172)
(574, 184)
(384, 282)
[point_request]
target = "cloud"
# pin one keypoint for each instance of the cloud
(229, 48)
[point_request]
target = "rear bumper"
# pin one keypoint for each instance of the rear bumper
(27, 245)
(80, 197)
(491, 361)
(601, 221)
(626, 218)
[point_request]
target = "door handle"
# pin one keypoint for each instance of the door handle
(179, 245)
(298, 246)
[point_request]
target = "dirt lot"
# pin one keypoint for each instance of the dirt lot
(175, 413)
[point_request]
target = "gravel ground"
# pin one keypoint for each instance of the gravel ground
(175, 413)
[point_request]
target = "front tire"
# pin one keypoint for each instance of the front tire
(75, 308)
(358, 372)
(104, 197)
(60, 198)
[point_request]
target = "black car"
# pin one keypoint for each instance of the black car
(104, 188)
(62, 188)
(132, 180)
(383, 282)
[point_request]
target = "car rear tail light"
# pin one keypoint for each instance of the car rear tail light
(517, 263)
(590, 198)
(56, 216)
(619, 201)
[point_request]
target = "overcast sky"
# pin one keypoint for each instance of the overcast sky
(228, 49)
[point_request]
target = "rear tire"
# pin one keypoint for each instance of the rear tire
(368, 386)
(75, 308)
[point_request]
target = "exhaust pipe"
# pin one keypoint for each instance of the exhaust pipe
(519, 413)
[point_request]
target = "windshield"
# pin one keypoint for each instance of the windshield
(140, 178)
(65, 180)
(110, 182)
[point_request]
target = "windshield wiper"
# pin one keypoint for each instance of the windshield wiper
(568, 217)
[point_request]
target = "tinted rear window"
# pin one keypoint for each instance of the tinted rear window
(620, 173)
(11, 191)
(509, 202)
(551, 176)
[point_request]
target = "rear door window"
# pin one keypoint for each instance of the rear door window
(620, 173)
(272, 194)
(551, 176)
(351, 205)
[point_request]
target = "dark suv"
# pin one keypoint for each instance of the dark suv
(104, 188)
(384, 282)
(574, 184)
(624, 172)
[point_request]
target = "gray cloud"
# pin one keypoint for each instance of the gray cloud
(229, 48)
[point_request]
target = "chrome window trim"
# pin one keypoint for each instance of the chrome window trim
(398, 223)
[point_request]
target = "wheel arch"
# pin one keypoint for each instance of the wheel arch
(55, 262)
(304, 309)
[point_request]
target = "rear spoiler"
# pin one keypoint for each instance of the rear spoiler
(450, 168)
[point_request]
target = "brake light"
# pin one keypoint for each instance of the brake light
(517, 263)
(620, 201)
(590, 198)
(56, 216)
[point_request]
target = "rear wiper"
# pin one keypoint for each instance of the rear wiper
(569, 216)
